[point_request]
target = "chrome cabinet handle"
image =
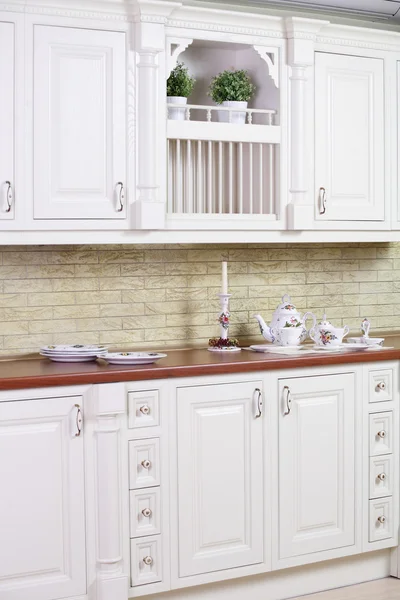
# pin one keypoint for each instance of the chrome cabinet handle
(288, 400)
(381, 386)
(382, 476)
(146, 464)
(78, 421)
(145, 410)
(121, 197)
(382, 519)
(259, 403)
(382, 434)
(146, 512)
(322, 200)
(148, 560)
(9, 196)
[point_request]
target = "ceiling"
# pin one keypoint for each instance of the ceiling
(381, 9)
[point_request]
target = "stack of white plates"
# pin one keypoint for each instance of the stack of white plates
(132, 358)
(76, 353)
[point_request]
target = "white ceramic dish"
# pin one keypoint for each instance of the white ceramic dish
(370, 341)
(318, 348)
(349, 346)
(77, 349)
(78, 356)
(69, 359)
(276, 349)
(132, 358)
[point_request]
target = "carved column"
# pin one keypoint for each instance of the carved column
(301, 36)
(150, 43)
(112, 579)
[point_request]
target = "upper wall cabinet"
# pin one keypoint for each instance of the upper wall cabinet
(349, 138)
(7, 119)
(79, 127)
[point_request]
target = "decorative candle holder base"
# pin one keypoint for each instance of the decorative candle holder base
(224, 343)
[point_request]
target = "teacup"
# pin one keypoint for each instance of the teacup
(288, 336)
(328, 337)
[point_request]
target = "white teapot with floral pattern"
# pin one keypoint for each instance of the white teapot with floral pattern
(325, 334)
(285, 316)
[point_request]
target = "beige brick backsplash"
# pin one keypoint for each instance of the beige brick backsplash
(164, 296)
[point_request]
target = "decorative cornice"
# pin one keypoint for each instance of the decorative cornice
(321, 39)
(261, 33)
(65, 12)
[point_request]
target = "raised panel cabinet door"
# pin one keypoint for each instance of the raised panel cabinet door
(349, 138)
(316, 464)
(79, 123)
(220, 477)
(7, 119)
(42, 504)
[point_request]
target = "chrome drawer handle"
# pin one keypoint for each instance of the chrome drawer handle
(382, 519)
(322, 200)
(145, 410)
(146, 512)
(121, 197)
(382, 476)
(381, 386)
(148, 560)
(146, 464)
(288, 400)
(9, 196)
(259, 403)
(382, 434)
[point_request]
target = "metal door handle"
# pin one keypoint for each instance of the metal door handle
(259, 403)
(121, 197)
(288, 400)
(78, 421)
(9, 196)
(322, 200)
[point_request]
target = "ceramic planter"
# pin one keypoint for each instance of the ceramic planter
(237, 117)
(177, 114)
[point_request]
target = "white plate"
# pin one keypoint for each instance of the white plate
(132, 358)
(79, 356)
(370, 341)
(359, 346)
(70, 359)
(276, 349)
(317, 348)
(77, 349)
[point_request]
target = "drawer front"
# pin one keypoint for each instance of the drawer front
(380, 384)
(144, 463)
(143, 409)
(381, 476)
(381, 433)
(145, 512)
(146, 560)
(380, 519)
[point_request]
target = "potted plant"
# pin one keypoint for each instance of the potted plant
(232, 89)
(179, 86)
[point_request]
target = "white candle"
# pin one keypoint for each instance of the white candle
(224, 287)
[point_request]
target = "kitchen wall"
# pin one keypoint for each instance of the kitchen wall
(158, 296)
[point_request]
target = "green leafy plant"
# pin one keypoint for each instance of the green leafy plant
(180, 83)
(231, 85)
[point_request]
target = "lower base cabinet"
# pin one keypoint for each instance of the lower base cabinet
(316, 464)
(42, 503)
(220, 476)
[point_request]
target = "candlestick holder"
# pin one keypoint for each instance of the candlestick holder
(224, 343)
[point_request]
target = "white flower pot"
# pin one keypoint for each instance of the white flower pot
(236, 117)
(176, 114)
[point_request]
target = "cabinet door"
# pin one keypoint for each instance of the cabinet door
(316, 464)
(79, 123)
(42, 541)
(220, 477)
(349, 138)
(7, 120)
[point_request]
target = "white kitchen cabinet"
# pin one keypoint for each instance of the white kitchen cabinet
(316, 464)
(8, 63)
(42, 504)
(220, 477)
(79, 123)
(349, 138)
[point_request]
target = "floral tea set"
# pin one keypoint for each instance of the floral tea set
(288, 329)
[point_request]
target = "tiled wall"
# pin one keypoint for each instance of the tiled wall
(150, 297)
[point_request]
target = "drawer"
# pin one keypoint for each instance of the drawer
(145, 512)
(381, 433)
(144, 463)
(143, 409)
(380, 385)
(146, 560)
(380, 476)
(380, 519)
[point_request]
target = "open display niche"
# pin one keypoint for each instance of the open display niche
(218, 169)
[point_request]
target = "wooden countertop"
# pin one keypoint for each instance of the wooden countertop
(41, 372)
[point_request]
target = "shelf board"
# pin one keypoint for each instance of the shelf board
(223, 132)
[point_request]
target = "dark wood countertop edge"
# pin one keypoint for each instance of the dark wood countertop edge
(166, 372)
